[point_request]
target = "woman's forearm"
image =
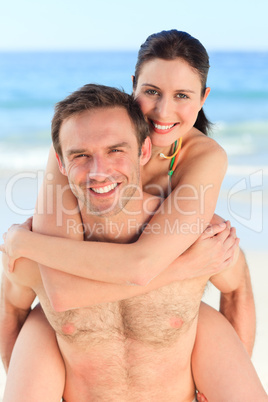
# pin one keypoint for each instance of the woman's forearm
(163, 240)
(93, 260)
(202, 258)
(66, 291)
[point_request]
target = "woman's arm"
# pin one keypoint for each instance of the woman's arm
(213, 248)
(181, 219)
(57, 214)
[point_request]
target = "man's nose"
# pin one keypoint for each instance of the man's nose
(99, 168)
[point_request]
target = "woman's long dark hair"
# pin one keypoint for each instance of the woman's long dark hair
(169, 45)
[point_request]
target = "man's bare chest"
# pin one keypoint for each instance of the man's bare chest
(157, 318)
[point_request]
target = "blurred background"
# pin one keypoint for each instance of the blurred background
(49, 49)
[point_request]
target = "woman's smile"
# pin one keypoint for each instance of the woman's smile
(161, 127)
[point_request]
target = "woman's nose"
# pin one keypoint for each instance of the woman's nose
(164, 107)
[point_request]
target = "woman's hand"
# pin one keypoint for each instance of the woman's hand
(12, 242)
(225, 244)
(214, 251)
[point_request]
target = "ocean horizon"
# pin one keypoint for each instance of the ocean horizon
(32, 82)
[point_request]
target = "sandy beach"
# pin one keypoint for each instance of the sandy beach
(257, 261)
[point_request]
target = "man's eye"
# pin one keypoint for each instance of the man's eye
(116, 150)
(81, 156)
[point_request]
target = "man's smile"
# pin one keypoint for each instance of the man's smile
(104, 189)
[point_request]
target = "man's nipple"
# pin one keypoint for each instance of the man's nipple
(175, 322)
(68, 328)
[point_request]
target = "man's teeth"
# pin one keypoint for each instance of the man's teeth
(106, 189)
(159, 127)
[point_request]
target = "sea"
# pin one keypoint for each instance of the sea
(32, 82)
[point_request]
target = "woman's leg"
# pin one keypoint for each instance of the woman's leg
(36, 371)
(221, 366)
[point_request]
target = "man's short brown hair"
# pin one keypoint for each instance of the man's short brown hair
(93, 96)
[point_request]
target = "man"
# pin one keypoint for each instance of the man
(135, 349)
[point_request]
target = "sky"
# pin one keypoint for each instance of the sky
(124, 25)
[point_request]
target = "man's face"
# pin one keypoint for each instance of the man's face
(100, 155)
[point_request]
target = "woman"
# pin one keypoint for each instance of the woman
(170, 86)
(187, 124)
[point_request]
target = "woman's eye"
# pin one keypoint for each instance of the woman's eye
(151, 92)
(182, 96)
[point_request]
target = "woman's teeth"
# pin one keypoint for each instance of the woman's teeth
(106, 189)
(159, 127)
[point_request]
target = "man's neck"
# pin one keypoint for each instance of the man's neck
(123, 227)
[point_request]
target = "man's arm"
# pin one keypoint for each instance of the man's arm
(239, 308)
(237, 301)
(15, 306)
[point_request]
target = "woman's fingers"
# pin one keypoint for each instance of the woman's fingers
(231, 251)
(2, 248)
(225, 233)
(28, 223)
(213, 230)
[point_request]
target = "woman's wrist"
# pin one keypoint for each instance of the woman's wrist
(21, 242)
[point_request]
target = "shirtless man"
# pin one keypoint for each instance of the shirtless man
(137, 349)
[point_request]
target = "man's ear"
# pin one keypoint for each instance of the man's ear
(146, 150)
(207, 91)
(61, 166)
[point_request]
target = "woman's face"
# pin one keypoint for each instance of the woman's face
(169, 94)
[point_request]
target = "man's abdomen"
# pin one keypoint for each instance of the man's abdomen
(130, 372)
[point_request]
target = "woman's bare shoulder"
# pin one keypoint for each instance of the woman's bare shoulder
(202, 147)
(201, 153)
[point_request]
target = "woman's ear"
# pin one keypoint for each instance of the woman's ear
(207, 91)
(61, 166)
(146, 150)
